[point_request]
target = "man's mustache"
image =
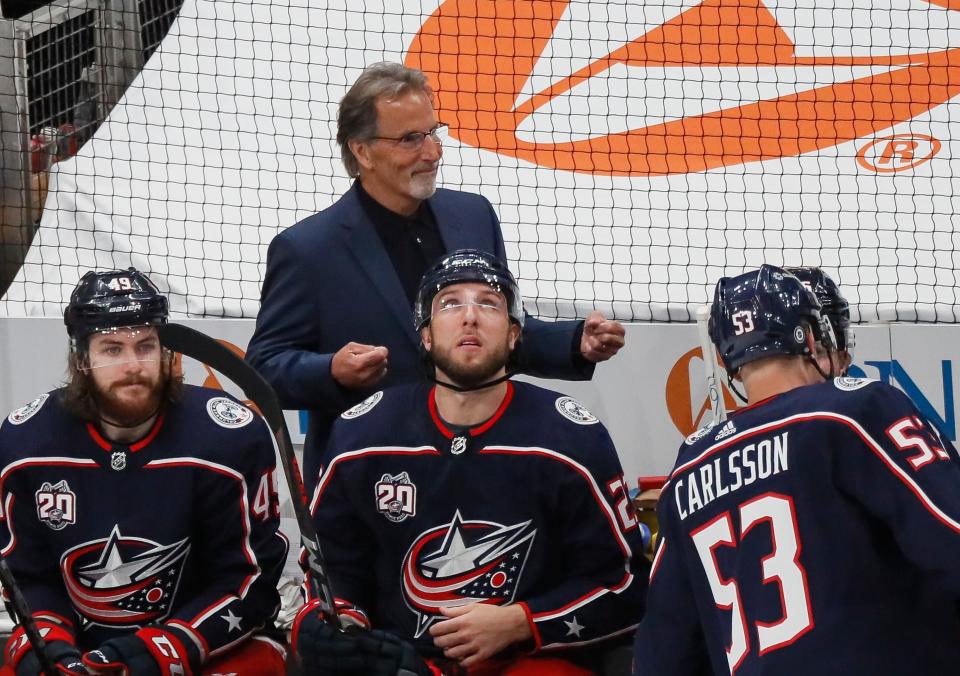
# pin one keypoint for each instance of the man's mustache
(131, 381)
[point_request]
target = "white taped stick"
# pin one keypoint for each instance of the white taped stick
(711, 369)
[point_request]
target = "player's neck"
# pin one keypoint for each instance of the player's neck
(469, 408)
(775, 375)
(126, 435)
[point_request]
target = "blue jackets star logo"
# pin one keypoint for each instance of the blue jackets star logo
(123, 581)
(464, 562)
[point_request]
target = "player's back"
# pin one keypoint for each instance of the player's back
(817, 533)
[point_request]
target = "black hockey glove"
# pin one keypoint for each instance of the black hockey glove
(326, 651)
(61, 652)
(151, 651)
(65, 658)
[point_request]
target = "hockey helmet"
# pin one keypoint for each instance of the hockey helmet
(109, 300)
(467, 265)
(764, 313)
(832, 303)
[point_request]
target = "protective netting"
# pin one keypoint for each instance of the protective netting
(634, 151)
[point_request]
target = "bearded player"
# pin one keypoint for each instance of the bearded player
(476, 524)
(140, 514)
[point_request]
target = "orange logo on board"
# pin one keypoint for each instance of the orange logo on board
(898, 152)
(211, 379)
(685, 378)
(484, 58)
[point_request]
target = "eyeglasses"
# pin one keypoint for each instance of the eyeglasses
(413, 140)
(459, 305)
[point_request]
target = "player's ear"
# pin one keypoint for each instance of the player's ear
(426, 338)
(514, 335)
(82, 360)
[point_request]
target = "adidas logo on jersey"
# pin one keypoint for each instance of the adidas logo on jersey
(725, 431)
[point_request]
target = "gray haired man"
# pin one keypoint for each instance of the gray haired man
(334, 323)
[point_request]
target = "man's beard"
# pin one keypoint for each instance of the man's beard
(422, 186)
(127, 412)
(472, 374)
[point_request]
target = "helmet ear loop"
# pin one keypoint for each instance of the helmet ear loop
(80, 349)
(734, 388)
(811, 355)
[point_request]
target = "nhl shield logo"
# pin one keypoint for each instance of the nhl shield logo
(118, 460)
(56, 505)
(396, 497)
(458, 445)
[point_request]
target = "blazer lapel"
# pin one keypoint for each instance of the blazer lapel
(367, 248)
(450, 224)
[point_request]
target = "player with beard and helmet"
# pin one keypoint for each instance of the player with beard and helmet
(140, 514)
(477, 524)
(817, 530)
(835, 308)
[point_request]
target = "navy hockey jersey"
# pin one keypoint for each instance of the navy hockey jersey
(180, 528)
(529, 507)
(816, 532)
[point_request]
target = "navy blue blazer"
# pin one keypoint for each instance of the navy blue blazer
(329, 281)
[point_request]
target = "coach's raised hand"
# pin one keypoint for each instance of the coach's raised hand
(356, 365)
(602, 338)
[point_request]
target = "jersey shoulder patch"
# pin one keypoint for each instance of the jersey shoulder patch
(228, 413)
(698, 435)
(573, 410)
(364, 406)
(846, 384)
(24, 413)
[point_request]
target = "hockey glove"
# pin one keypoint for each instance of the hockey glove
(60, 650)
(151, 651)
(325, 650)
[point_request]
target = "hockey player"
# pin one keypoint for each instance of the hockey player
(480, 523)
(140, 514)
(835, 308)
(817, 531)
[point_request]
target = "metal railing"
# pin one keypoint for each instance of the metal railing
(62, 68)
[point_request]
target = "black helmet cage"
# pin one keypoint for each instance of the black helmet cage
(463, 266)
(109, 300)
(764, 313)
(832, 303)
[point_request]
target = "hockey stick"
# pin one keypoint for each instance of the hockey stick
(214, 354)
(711, 368)
(25, 618)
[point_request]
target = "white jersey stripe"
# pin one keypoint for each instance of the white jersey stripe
(352, 455)
(244, 507)
(870, 442)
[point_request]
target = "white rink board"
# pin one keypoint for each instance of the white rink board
(638, 395)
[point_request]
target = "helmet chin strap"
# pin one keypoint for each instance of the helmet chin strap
(816, 365)
(482, 386)
(734, 389)
(808, 355)
(133, 425)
